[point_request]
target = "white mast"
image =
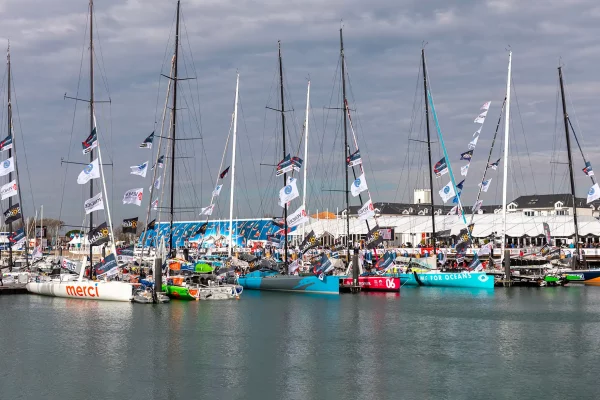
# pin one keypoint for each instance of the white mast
(305, 153)
(506, 131)
(237, 85)
(41, 228)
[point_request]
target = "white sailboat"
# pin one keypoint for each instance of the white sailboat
(69, 285)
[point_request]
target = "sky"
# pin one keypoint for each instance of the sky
(466, 46)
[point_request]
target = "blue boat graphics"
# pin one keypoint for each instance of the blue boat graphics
(478, 280)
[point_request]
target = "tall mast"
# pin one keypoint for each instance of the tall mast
(285, 212)
(346, 147)
(506, 135)
(92, 120)
(566, 121)
(235, 115)
(173, 123)
(429, 150)
(305, 152)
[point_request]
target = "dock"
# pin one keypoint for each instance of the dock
(13, 288)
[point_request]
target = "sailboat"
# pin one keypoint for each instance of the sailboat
(12, 188)
(77, 286)
(419, 273)
(269, 279)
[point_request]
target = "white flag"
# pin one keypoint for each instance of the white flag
(207, 210)
(94, 204)
(477, 132)
(288, 192)
(140, 169)
(156, 184)
(464, 170)
(486, 106)
(594, 193)
(7, 166)
(480, 118)
(366, 211)
(91, 171)
(298, 217)
(453, 210)
(473, 142)
(485, 185)
(447, 192)
(217, 190)
(9, 190)
(133, 196)
(477, 206)
(359, 185)
(155, 204)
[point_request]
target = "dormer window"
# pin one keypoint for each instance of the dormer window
(558, 205)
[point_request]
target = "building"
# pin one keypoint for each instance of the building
(544, 205)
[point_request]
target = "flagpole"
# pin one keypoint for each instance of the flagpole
(505, 166)
(305, 153)
(235, 116)
(92, 126)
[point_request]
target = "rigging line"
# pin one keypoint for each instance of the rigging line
(162, 67)
(410, 129)
(554, 155)
(573, 111)
(73, 121)
(100, 62)
(514, 88)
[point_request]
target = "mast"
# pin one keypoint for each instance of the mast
(172, 248)
(305, 152)
(566, 121)
(92, 122)
(505, 166)
(235, 112)
(429, 150)
(346, 147)
(285, 212)
(10, 154)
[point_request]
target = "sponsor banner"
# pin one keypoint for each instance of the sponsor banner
(94, 204)
(298, 217)
(130, 225)
(374, 238)
(99, 235)
(308, 243)
(9, 190)
(133, 196)
(12, 214)
(73, 266)
(107, 266)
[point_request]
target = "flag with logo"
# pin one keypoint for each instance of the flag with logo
(354, 159)
(494, 165)
(359, 185)
(485, 185)
(91, 142)
(125, 253)
(288, 192)
(447, 192)
(284, 166)
(7, 166)
(385, 262)
(308, 243)
(94, 204)
(374, 238)
(130, 225)
(485, 106)
(477, 132)
(160, 163)
(322, 267)
(473, 143)
(297, 163)
(17, 238)
(464, 170)
(6, 144)
(593, 193)
(207, 210)
(69, 265)
(156, 184)
(107, 267)
(99, 235)
(481, 118)
(133, 196)
(140, 169)
(453, 210)
(9, 190)
(476, 265)
(217, 190)
(547, 232)
(366, 211)
(440, 168)
(151, 225)
(467, 155)
(297, 218)
(477, 206)
(224, 173)
(201, 230)
(147, 143)
(91, 171)
(588, 169)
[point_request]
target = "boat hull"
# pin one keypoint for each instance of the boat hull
(375, 283)
(591, 277)
(477, 280)
(290, 283)
(204, 293)
(104, 291)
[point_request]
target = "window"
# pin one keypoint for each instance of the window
(529, 213)
(558, 204)
(562, 212)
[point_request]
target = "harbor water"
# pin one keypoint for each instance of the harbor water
(427, 343)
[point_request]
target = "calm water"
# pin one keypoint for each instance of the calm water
(425, 344)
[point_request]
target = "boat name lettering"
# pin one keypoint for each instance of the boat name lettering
(447, 277)
(82, 291)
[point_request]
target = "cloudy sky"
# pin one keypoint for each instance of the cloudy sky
(466, 44)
